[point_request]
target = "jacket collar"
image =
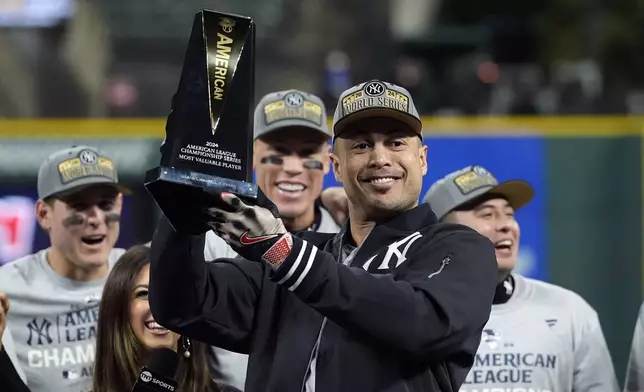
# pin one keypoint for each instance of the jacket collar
(409, 221)
(412, 220)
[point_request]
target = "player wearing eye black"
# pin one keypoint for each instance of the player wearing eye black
(291, 158)
(55, 292)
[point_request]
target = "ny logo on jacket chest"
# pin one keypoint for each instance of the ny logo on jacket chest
(395, 255)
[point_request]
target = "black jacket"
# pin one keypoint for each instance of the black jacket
(10, 381)
(406, 315)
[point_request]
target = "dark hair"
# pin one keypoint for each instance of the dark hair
(119, 354)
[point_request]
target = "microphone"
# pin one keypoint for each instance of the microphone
(158, 375)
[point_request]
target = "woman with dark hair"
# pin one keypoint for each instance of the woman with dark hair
(127, 333)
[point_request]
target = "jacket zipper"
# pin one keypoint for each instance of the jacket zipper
(316, 348)
(444, 263)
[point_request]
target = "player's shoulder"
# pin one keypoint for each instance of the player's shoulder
(327, 223)
(446, 231)
(22, 265)
(115, 254)
(19, 271)
(459, 237)
(554, 295)
(641, 313)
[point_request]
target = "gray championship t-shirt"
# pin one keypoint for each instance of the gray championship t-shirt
(233, 365)
(53, 323)
(634, 381)
(544, 339)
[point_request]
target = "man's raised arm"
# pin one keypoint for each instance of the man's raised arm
(213, 302)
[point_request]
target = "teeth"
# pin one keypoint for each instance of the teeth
(290, 187)
(382, 180)
(504, 243)
(153, 325)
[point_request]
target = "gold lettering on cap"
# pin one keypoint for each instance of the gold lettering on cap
(73, 169)
(278, 110)
(471, 181)
(390, 100)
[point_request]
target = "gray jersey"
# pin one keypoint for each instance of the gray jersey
(53, 323)
(635, 369)
(233, 365)
(544, 339)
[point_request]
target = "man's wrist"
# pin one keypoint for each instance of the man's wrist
(277, 254)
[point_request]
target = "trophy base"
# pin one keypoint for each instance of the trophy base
(183, 194)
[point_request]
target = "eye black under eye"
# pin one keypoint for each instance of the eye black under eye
(308, 164)
(273, 160)
(313, 164)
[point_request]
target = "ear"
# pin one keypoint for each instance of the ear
(422, 155)
(326, 159)
(335, 162)
(43, 215)
(119, 203)
(254, 155)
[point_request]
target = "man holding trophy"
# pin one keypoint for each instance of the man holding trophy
(395, 301)
(291, 150)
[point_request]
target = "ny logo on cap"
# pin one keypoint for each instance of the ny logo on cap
(481, 171)
(374, 88)
(88, 157)
(293, 100)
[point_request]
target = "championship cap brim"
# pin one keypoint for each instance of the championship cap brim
(88, 183)
(414, 123)
(285, 125)
(518, 193)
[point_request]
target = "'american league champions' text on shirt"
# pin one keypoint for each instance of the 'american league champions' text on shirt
(544, 339)
(53, 322)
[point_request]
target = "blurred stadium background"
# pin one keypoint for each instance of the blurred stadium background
(551, 92)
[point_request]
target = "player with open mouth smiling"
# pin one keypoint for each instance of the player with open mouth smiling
(540, 337)
(290, 158)
(55, 293)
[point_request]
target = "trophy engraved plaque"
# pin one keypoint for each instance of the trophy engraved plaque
(208, 147)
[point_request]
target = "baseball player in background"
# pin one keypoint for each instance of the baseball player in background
(540, 337)
(290, 158)
(55, 292)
